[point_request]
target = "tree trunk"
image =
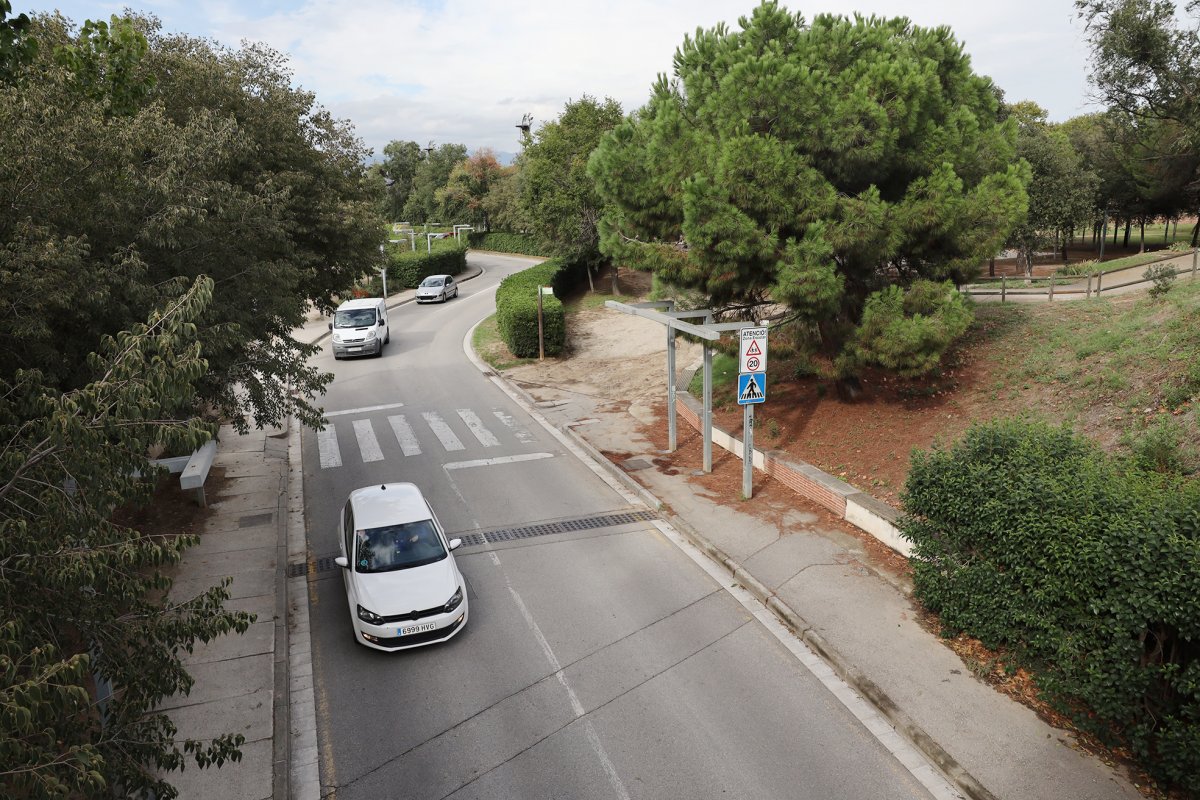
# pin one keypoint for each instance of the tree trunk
(1128, 228)
(616, 289)
(1142, 246)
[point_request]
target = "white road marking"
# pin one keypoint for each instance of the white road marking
(405, 436)
(614, 779)
(368, 445)
(485, 437)
(491, 462)
(331, 456)
(523, 436)
(363, 410)
(442, 431)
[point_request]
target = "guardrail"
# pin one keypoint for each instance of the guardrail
(1020, 286)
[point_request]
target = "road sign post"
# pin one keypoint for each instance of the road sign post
(752, 389)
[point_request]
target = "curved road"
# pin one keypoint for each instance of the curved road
(599, 660)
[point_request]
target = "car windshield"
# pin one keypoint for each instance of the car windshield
(432, 282)
(355, 318)
(411, 544)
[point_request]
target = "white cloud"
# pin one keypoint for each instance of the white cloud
(467, 70)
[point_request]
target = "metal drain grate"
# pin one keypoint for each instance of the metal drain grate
(325, 563)
(564, 526)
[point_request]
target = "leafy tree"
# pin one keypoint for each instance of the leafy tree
(502, 205)
(559, 196)
(813, 166)
(223, 169)
(1146, 66)
(16, 48)
(81, 596)
(462, 198)
(432, 174)
(1061, 193)
(398, 170)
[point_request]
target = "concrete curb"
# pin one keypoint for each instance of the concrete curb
(959, 776)
(865, 687)
(281, 723)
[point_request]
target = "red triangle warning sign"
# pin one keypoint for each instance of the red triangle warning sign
(753, 350)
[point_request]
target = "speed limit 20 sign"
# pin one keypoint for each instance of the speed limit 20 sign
(753, 350)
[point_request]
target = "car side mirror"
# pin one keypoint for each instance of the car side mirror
(342, 562)
(455, 544)
(331, 326)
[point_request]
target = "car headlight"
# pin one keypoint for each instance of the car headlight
(370, 335)
(337, 338)
(369, 616)
(454, 602)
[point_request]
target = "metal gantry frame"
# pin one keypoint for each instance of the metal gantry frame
(709, 332)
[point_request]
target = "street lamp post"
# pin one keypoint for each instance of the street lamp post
(383, 270)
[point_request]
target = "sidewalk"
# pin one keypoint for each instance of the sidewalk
(239, 680)
(818, 579)
(255, 684)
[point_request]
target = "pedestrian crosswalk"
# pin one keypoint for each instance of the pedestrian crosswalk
(417, 432)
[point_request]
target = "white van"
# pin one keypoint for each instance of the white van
(360, 327)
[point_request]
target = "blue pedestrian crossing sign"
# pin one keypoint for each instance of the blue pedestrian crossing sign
(752, 388)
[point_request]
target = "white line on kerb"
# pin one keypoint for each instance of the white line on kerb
(363, 410)
(491, 462)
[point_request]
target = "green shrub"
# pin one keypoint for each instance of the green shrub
(907, 330)
(1076, 270)
(1161, 276)
(1160, 446)
(409, 269)
(1085, 568)
(502, 242)
(516, 311)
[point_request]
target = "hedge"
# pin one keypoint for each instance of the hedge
(1085, 569)
(516, 309)
(408, 269)
(501, 242)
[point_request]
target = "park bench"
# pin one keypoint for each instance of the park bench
(193, 469)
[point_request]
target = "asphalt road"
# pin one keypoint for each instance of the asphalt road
(598, 661)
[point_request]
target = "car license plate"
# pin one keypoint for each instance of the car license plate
(411, 629)
(353, 349)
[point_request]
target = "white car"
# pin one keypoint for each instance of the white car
(402, 583)
(437, 288)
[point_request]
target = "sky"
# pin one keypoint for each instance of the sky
(466, 71)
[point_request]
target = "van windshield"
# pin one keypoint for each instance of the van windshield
(356, 318)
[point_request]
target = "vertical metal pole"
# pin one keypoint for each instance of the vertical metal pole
(383, 270)
(707, 421)
(1103, 237)
(748, 451)
(1099, 276)
(671, 389)
(1194, 254)
(1089, 289)
(1051, 300)
(541, 342)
